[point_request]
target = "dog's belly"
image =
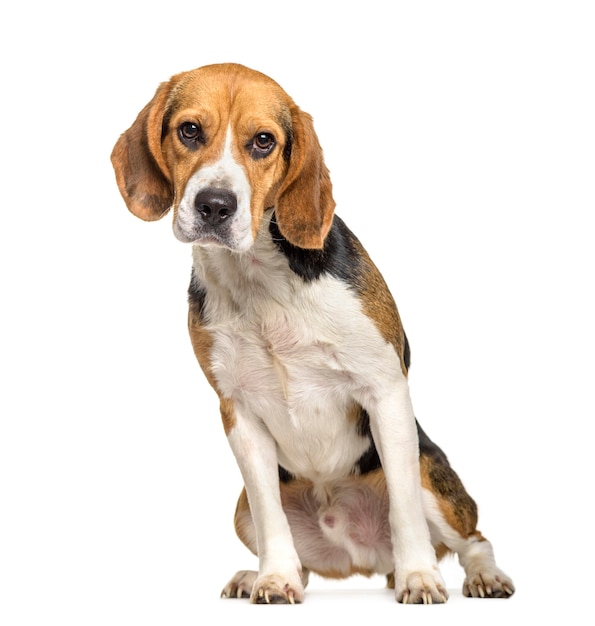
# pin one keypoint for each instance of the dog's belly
(346, 531)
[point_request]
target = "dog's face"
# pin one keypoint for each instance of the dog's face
(220, 145)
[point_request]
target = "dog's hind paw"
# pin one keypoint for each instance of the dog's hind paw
(489, 583)
(240, 586)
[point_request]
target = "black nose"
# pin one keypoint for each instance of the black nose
(215, 205)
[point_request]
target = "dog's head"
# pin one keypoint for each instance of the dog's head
(220, 145)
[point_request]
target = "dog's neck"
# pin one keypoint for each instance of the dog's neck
(260, 273)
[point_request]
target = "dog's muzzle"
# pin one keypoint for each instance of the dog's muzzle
(211, 217)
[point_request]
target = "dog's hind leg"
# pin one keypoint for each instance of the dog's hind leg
(452, 519)
(483, 578)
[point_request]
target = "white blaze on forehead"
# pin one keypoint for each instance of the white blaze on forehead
(224, 174)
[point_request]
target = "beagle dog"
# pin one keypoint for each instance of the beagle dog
(297, 332)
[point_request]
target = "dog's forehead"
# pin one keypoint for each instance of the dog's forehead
(232, 91)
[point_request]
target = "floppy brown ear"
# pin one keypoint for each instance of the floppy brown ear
(141, 172)
(305, 205)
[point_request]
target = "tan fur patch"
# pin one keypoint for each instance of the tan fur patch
(228, 414)
(354, 413)
(380, 307)
(457, 507)
(202, 343)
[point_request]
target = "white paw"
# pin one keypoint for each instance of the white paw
(489, 582)
(271, 589)
(275, 589)
(425, 587)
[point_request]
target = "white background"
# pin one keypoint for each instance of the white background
(461, 142)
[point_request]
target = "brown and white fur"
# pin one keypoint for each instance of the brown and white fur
(297, 332)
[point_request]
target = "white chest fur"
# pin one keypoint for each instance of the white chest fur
(295, 356)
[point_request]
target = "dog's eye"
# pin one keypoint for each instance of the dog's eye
(190, 134)
(262, 144)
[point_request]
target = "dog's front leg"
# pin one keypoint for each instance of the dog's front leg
(417, 577)
(279, 577)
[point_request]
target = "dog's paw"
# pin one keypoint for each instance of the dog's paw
(488, 583)
(274, 589)
(425, 587)
(240, 586)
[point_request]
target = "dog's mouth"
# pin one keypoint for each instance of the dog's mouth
(208, 236)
